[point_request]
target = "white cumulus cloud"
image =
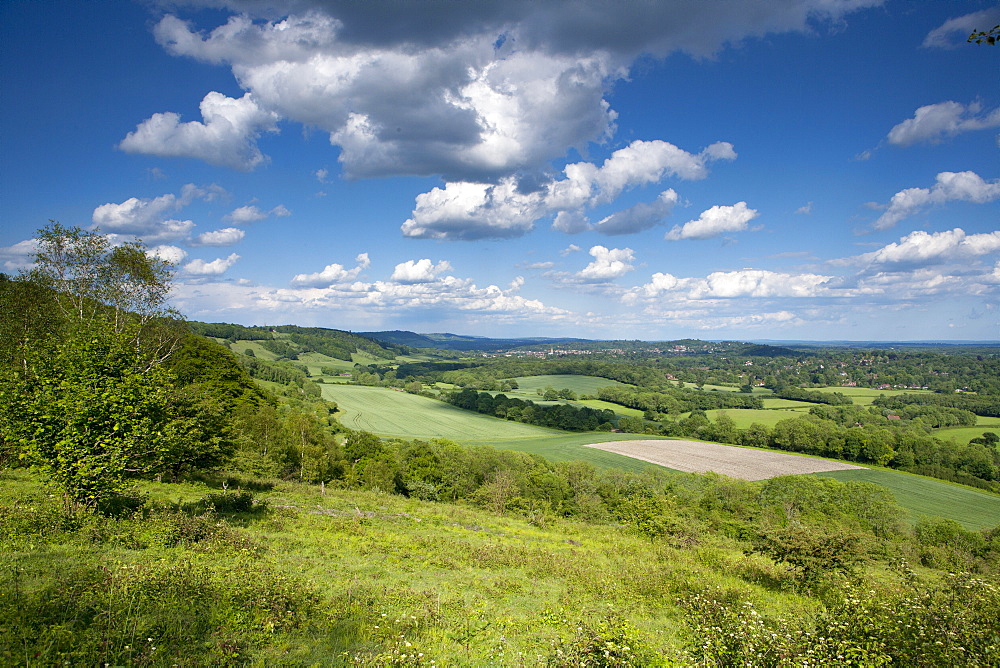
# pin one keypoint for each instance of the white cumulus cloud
(333, 274)
(419, 271)
(148, 218)
(19, 256)
(473, 211)
(713, 222)
(167, 253)
(252, 214)
(948, 187)
(608, 263)
(922, 247)
(934, 122)
(759, 283)
(227, 137)
(213, 268)
(418, 88)
(639, 163)
(227, 236)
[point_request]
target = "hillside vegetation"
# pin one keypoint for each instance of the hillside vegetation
(165, 501)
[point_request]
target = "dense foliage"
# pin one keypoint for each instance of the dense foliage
(559, 416)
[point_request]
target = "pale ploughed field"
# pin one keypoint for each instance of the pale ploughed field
(698, 457)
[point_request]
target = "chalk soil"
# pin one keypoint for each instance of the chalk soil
(697, 457)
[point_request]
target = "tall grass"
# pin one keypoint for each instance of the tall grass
(298, 575)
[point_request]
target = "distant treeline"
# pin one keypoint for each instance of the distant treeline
(292, 340)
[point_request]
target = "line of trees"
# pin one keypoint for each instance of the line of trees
(559, 416)
(676, 400)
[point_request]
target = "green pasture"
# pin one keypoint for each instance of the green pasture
(409, 359)
(568, 447)
(599, 405)
(391, 413)
(314, 362)
(964, 434)
(863, 396)
(776, 403)
(241, 347)
(972, 508)
(730, 388)
(362, 357)
(744, 417)
(578, 384)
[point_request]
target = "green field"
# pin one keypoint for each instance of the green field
(362, 357)
(964, 434)
(313, 363)
(730, 388)
(926, 496)
(744, 417)
(599, 405)
(578, 384)
(572, 447)
(776, 403)
(863, 396)
(260, 351)
(398, 414)
(390, 413)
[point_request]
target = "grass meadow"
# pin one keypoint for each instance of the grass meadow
(776, 403)
(315, 362)
(731, 388)
(579, 384)
(597, 404)
(336, 577)
(389, 412)
(744, 417)
(965, 434)
(241, 347)
(352, 578)
(919, 495)
(565, 447)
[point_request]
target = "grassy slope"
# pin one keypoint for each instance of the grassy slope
(579, 384)
(241, 347)
(964, 434)
(597, 404)
(569, 447)
(394, 576)
(780, 404)
(744, 417)
(972, 508)
(730, 388)
(390, 413)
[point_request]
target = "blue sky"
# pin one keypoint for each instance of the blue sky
(793, 169)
